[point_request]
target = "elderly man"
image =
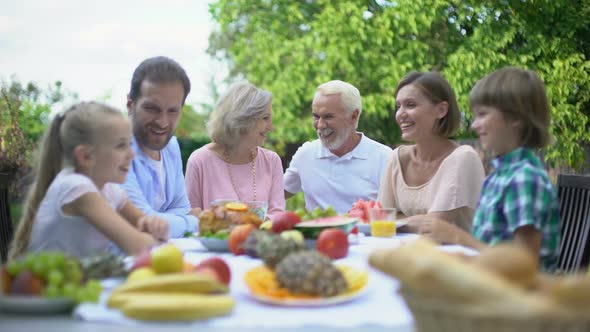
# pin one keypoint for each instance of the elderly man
(343, 165)
(155, 182)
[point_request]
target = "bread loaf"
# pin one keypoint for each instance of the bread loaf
(423, 268)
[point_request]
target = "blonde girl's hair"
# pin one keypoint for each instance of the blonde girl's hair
(520, 95)
(236, 112)
(80, 124)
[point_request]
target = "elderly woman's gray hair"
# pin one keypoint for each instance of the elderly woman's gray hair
(236, 112)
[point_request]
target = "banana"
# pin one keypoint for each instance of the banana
(175, 283)
(176, 306)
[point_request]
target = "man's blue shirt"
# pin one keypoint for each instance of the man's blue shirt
(143, 185)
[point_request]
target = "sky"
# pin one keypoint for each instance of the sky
(94, 46)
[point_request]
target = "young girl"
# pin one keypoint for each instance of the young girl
(518, 201)
(72, 205)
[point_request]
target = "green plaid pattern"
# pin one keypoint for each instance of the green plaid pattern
(518, 193)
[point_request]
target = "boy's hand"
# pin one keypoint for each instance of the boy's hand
(440, 231)
(156, 226)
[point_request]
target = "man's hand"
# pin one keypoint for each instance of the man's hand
(196, 211)
(154, 225)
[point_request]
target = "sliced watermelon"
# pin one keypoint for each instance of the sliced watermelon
(311, 229)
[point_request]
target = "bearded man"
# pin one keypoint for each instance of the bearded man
(342, 165)
(155, 182)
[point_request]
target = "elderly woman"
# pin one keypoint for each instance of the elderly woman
(234, 165)
(435, 177)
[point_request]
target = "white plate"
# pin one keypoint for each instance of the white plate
(35, 304)
(213, 244)
(366, 228)
(317, 302)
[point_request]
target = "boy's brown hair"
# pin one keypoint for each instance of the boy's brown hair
(519, 94)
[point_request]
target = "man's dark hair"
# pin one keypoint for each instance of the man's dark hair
(158, 69)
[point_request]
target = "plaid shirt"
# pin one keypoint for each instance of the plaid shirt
(519, 193)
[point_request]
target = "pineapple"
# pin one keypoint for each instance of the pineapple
(272, 248)
(309, 272)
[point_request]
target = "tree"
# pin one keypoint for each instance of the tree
(290, 47)
(24, 115)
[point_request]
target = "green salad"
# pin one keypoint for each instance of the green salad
(222, 234)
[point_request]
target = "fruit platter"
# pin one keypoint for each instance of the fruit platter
(217, 224)
(47, 282)
(163, 286)
(306, 278)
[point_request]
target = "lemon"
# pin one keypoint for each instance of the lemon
(167, 259)
(267, 225)
(140, 274)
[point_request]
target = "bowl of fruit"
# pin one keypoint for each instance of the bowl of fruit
(46, 282)
(258, 207)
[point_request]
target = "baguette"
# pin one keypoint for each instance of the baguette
(423, 269)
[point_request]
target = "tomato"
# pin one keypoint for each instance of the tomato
(238, 236)
(333, 242)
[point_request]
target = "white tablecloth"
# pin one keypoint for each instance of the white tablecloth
(379, 305)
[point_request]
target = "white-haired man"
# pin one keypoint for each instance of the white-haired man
(342, 165)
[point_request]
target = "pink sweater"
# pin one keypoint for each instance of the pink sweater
(207, 179)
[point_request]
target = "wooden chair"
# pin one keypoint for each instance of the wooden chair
(574, 205)
(6, 230)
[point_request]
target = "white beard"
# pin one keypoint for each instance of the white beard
(338, 141)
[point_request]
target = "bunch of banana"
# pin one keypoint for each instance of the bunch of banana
(175, 296)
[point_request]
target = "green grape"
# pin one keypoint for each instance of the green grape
(330, 211)
(301, 212)
(317, 213)
(94, 285)
(55, 277)
(16, 267)
(29, 261)
(51, 291)
(70, 290)
(40, 268)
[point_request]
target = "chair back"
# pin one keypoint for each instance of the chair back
(6, 230)
(574, 207)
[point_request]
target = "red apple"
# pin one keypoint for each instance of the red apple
(142, 260)
(26, 283)
(285, 221)
(208, 271)
(238, 236)
(6, 279)
(219, 265)
(333, 242)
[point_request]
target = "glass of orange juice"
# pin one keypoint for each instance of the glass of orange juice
(383, 221)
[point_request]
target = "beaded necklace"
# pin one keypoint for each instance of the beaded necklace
(252, 170)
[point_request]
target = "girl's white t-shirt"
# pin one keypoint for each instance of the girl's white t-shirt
(53, 230)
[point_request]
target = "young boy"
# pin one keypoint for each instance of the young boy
(518, 201)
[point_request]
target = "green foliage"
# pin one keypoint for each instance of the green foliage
(24, 115)
(290, 47)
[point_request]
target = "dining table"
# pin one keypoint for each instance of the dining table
(379, 307)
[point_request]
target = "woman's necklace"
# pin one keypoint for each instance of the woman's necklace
(252, 170)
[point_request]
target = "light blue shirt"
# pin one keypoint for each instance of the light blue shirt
(143, 185)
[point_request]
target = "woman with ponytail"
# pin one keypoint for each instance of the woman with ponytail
(74, 204)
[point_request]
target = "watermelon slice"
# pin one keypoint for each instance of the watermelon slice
(311, 229)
